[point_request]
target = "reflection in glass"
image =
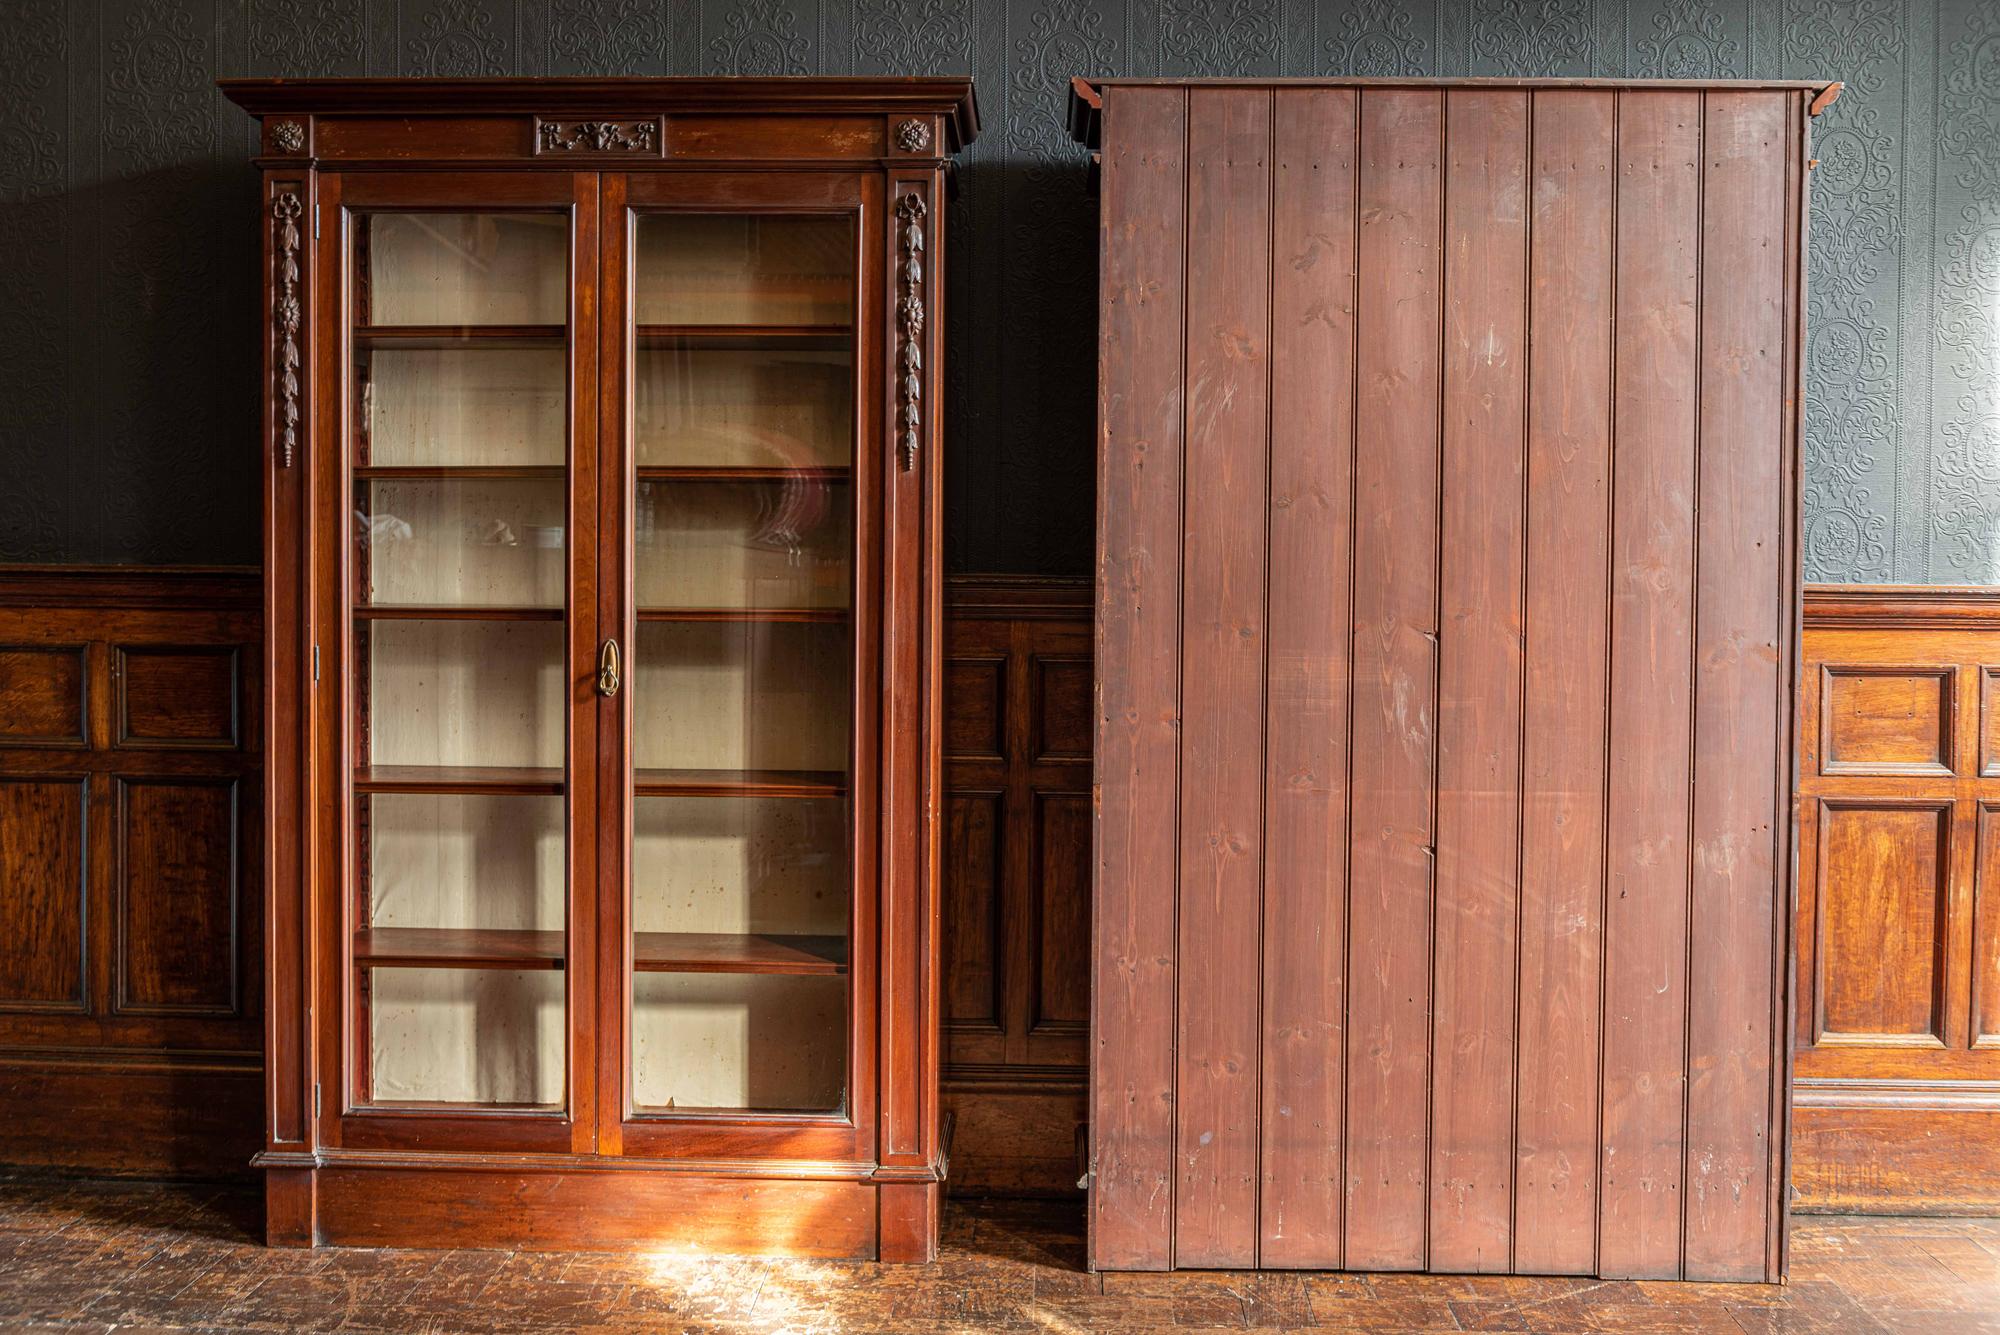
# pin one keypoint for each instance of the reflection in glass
(738, 1041)
(492, 1036)
(459, 409)
(774, 544)
(741, 671)
(475, 542)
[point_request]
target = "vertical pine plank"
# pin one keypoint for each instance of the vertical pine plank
(1222, 667)
(1138, 655)
(1479, 679)
(1305, 778)
(1562, 781)
(1395, 679)
(1653, 558)
(1738, 624)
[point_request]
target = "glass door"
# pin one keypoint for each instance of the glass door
(463, 477)
(743, 335)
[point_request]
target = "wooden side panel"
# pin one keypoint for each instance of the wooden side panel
(42, 912)
(1306, 763)
(1567, 629)
(1395, 678)
(1138, 652)
(1479, 680)
(1739, 697)
(1652, 648)
(1222, 670)
(1524, 558)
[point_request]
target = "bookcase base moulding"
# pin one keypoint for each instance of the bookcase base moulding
(603, 598)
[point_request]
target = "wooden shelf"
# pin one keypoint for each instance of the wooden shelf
(653, 952)
(746, 337)
(533, 780)
(452, 612)
(835, 473)
(452, 472)
(724, 952)
(431, 337)
(823, 615)
(542, 780)
(457, 948)
(739, 783)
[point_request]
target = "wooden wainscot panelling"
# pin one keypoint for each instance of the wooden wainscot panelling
(1017, 881)
(1897, 1063)
(1446, 634)
(129, 774)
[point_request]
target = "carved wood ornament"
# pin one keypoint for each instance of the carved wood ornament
(913, 136)
(597, 136)
(286, 314)
(910, 213)
(288, 136)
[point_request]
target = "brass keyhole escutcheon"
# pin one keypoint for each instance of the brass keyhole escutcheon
(607, 669)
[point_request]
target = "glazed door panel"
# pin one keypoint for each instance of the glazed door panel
(462, 637)
(739, 505)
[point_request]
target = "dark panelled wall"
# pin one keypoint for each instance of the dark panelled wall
(127, 215)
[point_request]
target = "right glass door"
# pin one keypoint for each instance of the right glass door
(741, 424)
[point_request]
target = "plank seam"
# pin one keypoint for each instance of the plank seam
(1264, 674)
(1180, 686)
(1521, 682)
(1437, 669)
(1347, 758)
(1610, 691)
(1694, 670)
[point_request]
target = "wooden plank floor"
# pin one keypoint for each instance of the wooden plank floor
(88, 1256)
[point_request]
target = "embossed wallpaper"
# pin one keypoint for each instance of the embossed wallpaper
(128, 228)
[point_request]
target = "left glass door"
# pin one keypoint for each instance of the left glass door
(464, 479)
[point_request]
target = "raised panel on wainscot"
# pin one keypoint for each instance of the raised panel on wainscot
(42, 832)
(603, 446)
(1882, 925)
(1446, 607)
(42, 695)
(1887, 720)
(172, 697)
(179, 849)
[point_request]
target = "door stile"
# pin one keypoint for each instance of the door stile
(613, 618)
(586, 727)
(325, 464)
(905, 447)
(837, 1145)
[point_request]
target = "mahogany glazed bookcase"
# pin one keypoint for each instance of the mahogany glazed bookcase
(603, 587)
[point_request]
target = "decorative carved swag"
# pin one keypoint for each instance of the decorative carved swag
(286, 209)
(910, 213)
(597, 136)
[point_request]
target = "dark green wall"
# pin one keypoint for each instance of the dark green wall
(128, 227)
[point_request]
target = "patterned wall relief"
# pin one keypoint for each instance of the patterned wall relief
(1965, 498)
(128, 214)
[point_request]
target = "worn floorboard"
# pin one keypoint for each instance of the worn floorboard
(91, 1256)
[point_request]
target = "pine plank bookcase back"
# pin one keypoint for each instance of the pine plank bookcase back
(1448, 606)
(603, 591)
